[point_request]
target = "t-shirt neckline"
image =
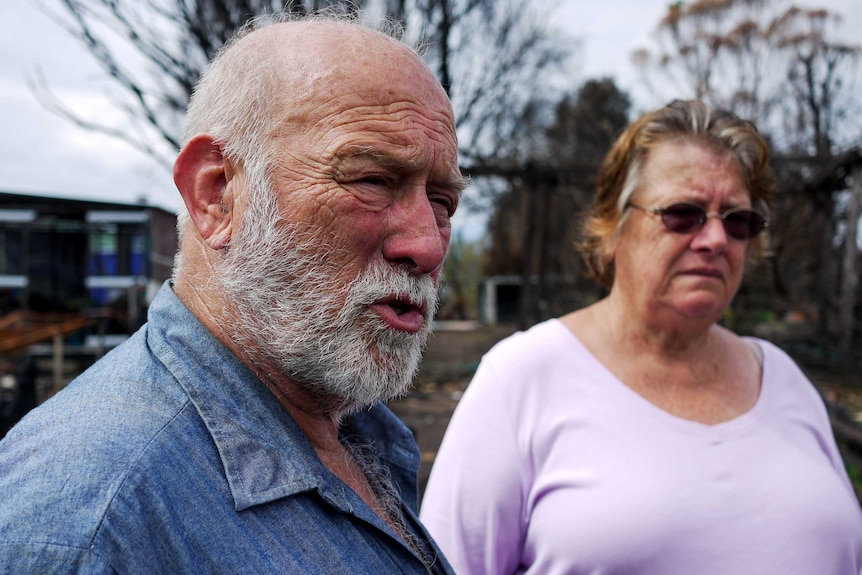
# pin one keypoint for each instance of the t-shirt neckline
(626, 393)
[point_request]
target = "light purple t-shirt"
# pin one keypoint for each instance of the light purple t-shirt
(552, 465)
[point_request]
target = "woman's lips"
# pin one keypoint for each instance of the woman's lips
(705, 272)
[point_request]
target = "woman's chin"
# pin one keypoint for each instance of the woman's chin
(704, 316)
(706, 307)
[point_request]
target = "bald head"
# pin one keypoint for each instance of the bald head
(316, 54)
(274, 75)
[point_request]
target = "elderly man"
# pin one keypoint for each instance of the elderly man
(241, 430)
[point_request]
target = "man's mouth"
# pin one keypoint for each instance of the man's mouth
(400, 307)
(403, 305)
(400, 313)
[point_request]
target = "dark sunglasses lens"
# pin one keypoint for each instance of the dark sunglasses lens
(744, 224)
(683, 218)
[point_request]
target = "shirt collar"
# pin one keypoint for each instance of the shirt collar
(265, 454)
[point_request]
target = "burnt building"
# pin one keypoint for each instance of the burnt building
(64, 255)
(76, 277)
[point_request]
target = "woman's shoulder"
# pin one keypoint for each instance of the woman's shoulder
(784, 377)
(774, 356)
(533, 361)
(539, 343)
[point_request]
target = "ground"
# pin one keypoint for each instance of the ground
(455, 350)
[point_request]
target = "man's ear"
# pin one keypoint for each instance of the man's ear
(202, 175)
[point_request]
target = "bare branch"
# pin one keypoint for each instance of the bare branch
(41, 91)
(488, 54)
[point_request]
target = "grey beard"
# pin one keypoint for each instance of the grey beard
(291, 311)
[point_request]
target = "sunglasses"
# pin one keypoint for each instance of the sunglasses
(683, 218)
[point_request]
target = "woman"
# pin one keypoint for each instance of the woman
(637, 436)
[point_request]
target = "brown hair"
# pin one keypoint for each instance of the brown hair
(619, 175)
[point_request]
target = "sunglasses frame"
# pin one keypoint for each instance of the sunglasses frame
(704, 217)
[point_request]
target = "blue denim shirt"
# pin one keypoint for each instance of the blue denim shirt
(170, 456)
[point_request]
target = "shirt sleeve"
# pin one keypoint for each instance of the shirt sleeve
(474, 502)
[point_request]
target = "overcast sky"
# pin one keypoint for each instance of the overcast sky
(41, 153)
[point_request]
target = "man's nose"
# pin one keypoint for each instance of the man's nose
(417, 234)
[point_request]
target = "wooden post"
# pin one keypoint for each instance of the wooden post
(525, 311)
(850, 271)
(58, 361)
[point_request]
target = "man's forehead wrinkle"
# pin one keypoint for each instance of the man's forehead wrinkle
(392, 109)
(367, 110)
(403, 141)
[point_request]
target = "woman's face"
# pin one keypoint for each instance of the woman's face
(666, 277)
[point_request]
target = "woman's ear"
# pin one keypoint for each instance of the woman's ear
(202, 175)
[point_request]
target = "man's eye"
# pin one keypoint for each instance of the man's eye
(374, 181)
(445, 204)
